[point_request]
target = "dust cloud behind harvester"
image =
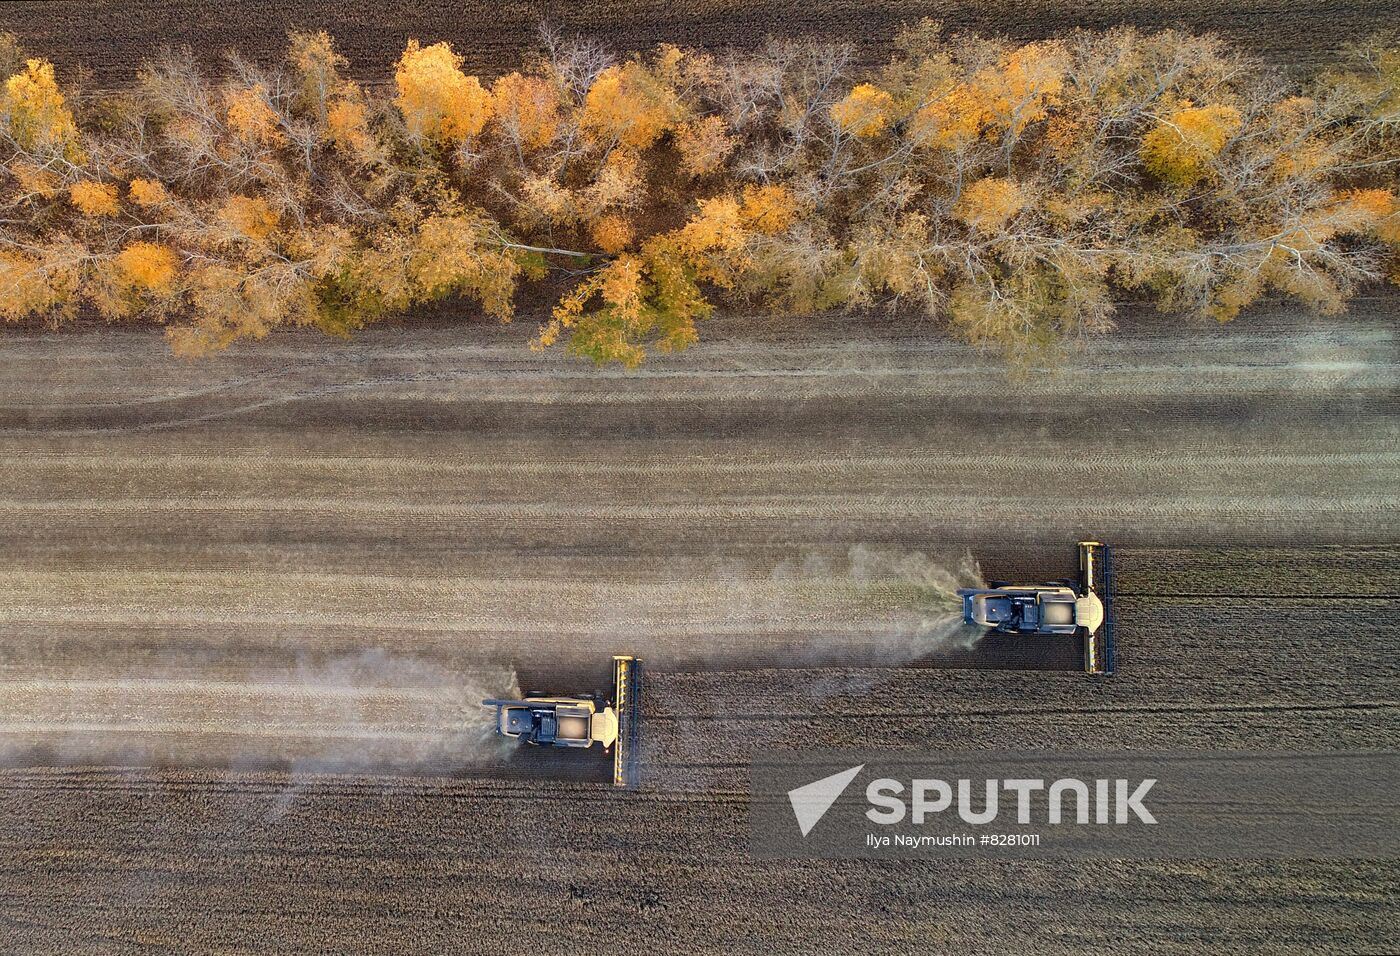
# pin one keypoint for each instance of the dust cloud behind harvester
(368, 711)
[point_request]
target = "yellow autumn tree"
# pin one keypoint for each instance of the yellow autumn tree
(439, 102)
(147, 192)
(612, 232)
(1015, 190)
(317, 65)
(704, 145)
(35, 181)
(616, 188)
(767, 210)
(251, 118)
(1296, 156)
(718, 227)
(1180, 147)
(147, 265)
(1000, 99)
(347, 126)
(526, 109)
(647, 295)
(336, 105)
(654, 293)
(34, 111)
(864, 112)
(1023, 86)
(609, 332)
(953, 118)
(248, 217)
(545, 201)
(44, 282)
(1375, 211)
(94, 199)
(630, 106)
(419, 258)
(989, 204)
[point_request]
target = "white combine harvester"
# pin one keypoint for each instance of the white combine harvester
(581, 722)
(1060, 607)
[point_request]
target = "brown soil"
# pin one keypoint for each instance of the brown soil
(111, 39)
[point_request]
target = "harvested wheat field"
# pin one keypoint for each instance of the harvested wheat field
(280, 576)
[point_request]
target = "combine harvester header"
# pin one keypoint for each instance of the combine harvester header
(627, 698)
(1059, 607)
(1096, 579)
(580, 722)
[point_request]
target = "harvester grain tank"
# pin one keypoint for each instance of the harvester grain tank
(582, 721)
(1082, 607)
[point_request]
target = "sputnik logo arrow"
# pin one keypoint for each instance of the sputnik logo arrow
(811, 801)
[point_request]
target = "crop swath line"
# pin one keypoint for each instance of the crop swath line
(1262, 596)
(1048, 711)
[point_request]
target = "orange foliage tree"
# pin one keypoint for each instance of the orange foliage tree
(1015, 191)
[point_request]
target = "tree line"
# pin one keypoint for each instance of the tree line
(1014, 192)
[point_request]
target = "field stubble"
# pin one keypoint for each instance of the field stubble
(294, 504)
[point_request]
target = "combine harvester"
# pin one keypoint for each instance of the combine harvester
(1060, 607)
(583, 721)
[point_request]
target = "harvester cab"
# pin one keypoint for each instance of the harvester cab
(582, 721)
(1062, 607)
(556, 721)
